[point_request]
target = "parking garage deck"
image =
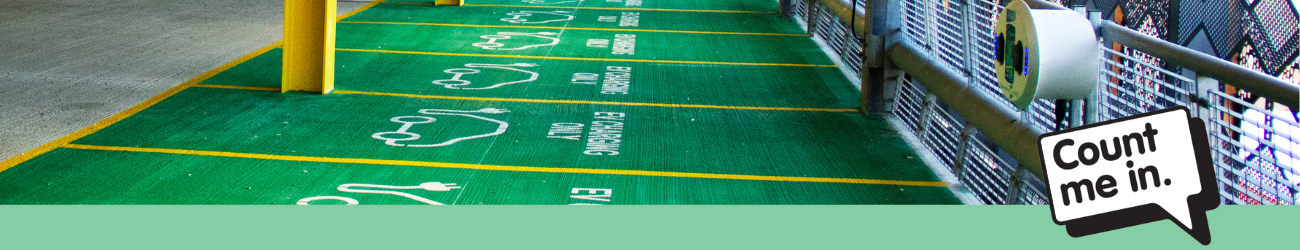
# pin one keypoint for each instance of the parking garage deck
(505, 102)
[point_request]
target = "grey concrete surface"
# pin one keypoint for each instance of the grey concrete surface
(66, 64)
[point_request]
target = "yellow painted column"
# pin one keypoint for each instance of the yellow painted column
(449, 2)
(309, 46)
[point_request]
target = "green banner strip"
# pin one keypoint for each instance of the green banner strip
(605, 227)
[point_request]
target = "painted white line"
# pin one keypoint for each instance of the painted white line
(518, 16)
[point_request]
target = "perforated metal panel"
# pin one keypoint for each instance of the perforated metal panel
(961, 37)
(1131, 86)
(834, 32)
(1254, 148)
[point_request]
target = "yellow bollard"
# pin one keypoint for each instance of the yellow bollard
(449, 2)
(309, 46)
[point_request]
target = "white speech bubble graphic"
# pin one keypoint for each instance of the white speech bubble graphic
(1123, 164)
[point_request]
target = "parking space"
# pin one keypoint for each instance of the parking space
(447, 114)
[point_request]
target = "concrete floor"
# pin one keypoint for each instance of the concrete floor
(66, 64)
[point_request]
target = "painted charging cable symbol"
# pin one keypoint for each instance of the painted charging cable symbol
(457, 83)
(518, 16)
(492, 43)
(427, 186)
(392, 138)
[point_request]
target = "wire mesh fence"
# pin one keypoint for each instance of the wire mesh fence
(960, 35)
(1253, 140)
(1253, 146)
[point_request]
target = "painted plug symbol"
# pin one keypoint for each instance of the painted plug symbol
(438, 186)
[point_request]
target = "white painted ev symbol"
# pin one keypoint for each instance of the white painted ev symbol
(492, 43)
(457, 83)
(392, 138)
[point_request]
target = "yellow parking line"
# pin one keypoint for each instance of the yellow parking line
(592, 8)
(493, 99)
(509, 168)
(609, 8)
(359, 10)
(490, 99)
(236, 87)
(11, 162)
(586, 59)
(576, 28)
(62, 141)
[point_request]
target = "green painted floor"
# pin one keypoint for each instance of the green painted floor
(515, 102)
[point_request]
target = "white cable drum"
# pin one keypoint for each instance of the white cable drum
(1057, 53)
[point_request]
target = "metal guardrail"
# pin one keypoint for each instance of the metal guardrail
(987, 170)
(943, 50)
(1206, 65)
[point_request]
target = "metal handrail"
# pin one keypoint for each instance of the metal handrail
(845, 10)
(968, 96)
(1226, 72)
(998, 122)
(1014, 139)
(1203, 64)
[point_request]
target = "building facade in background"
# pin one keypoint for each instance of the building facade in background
(1263, 35)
